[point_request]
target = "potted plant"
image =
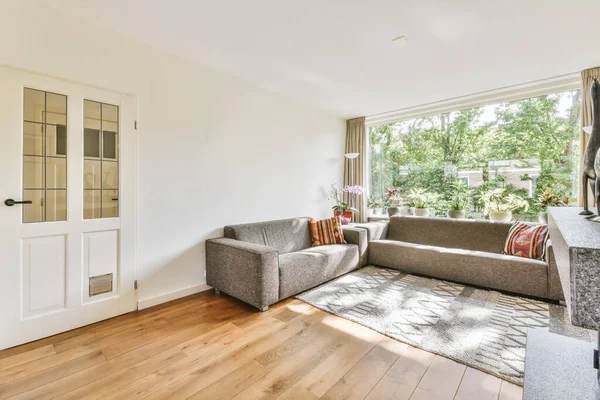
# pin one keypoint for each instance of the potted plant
(380, 206)
(422, 201)
(394, 202)
(341, 208)
(499, 204)
(460, 200)
(548, 199)
(371, 204)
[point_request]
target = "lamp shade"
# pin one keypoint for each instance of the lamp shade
(587, 129)
(351, 155)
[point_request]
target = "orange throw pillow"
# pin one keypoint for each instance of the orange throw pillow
(528, 241)
(327, 231)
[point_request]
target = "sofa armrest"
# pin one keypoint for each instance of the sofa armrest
(555, 290)
(247, 271)
(358, 236)
(375, 230)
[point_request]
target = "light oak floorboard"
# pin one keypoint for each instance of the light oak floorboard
(249, 347)
(322, 378)
(48, 375)
(388, 389)
(287, 370)
(443, 377)
(510, 391)
(477, 385)
(365, 375)
(410, 368)
(233, 383)
(215, 347)
(26, 357)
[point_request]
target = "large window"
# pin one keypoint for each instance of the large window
(525, 146)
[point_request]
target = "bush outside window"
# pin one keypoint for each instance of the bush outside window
(527, 148)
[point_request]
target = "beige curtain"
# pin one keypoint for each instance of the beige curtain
(587, 78)
(355, 171)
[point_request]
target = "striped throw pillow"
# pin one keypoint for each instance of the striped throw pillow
(327, 231)
(528, 241)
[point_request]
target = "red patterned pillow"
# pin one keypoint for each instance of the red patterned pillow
(528, 241)
(327, 231)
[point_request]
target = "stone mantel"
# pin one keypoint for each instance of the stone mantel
(576, 244)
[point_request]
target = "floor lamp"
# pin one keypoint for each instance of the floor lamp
(351, 157)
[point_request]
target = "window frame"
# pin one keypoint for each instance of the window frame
(524, 91)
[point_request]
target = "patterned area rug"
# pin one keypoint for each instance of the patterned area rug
(484, 329)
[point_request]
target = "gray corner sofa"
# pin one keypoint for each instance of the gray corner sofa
(461, 250)
(265, 262)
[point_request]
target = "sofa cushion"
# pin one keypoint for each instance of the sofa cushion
(524, 240)
(327, 231)
(308, 268)
(467, 234)
(496, 271)
(286, 235)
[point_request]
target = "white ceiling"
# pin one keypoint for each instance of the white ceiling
(338, 55)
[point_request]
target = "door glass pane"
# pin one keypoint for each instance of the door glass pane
(101, 142)
(33, 212)
(56, 140)
(56, 173)
(91, 143)
(110, 203)
(110, 175)
(56, 205)
(56, 109)
(91, 204)
(110, 113)
(34, 105)
(33, 139)
(110, 126)
(91, 174)
(109, 145)
(33, 172)
(44, 158)
(91, 115)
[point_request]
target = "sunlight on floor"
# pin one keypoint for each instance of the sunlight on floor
(302, 308)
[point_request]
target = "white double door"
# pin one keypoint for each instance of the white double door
(68, 253)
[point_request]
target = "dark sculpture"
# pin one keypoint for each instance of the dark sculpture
(590, 157)
(596, 218)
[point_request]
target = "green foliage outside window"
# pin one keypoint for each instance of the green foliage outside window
(428, 153)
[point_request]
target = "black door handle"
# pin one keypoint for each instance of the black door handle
(11, 202)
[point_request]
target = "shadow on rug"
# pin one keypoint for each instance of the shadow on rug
(483, 329)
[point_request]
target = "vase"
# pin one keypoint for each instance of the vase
(543, 217)
(500, 216)
(456, 213)
(421, 212)
(405, 210)
(393, 211)
(345, 216)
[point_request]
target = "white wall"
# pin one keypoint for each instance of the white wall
(213, 150)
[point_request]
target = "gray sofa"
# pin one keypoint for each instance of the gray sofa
(265, 262)
(461, 250)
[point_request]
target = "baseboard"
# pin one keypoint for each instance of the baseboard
(163, 298)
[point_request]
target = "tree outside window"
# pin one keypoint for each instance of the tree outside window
(526, 146)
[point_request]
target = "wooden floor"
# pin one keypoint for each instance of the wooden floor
(214, 347)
